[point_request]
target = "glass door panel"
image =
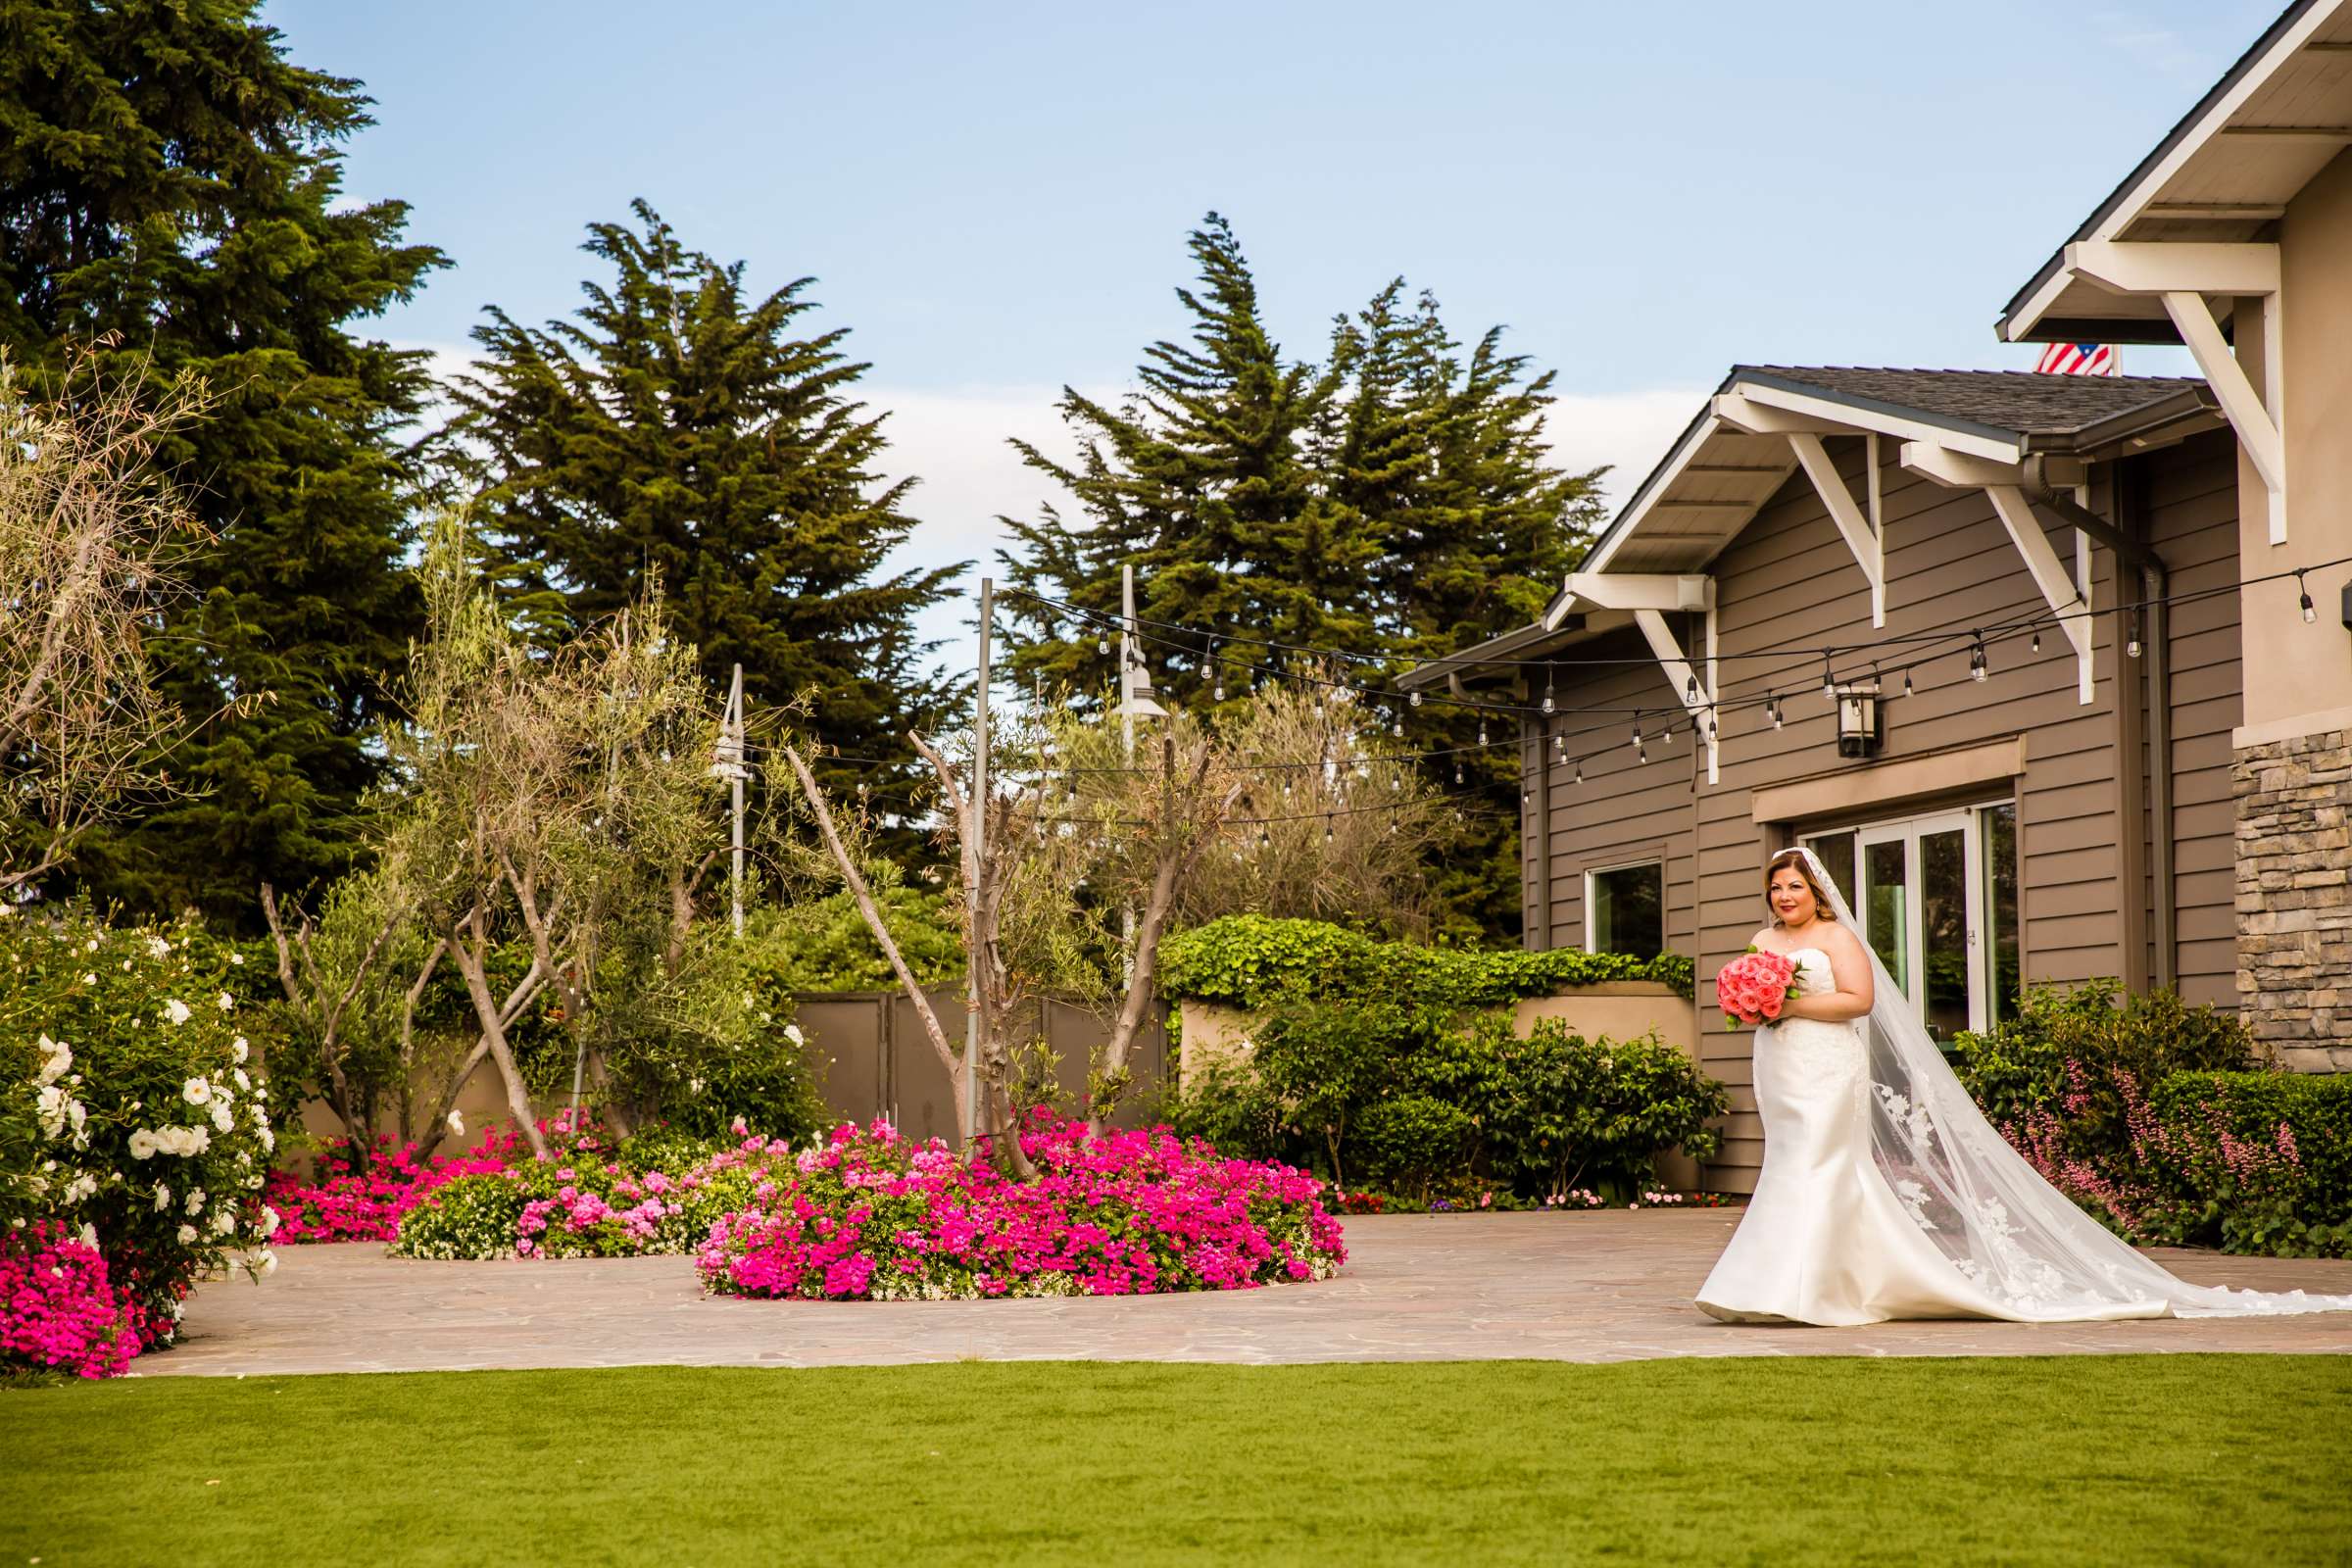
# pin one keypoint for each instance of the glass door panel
(1887, 903)
(1836, 852)
(1997, 828)
(1945, 951)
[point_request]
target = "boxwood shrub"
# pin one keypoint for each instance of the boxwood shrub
(1254, 963)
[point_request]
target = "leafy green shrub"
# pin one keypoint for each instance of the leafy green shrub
(2022, 1067)
(2155, 1117)
(1424, 1101)
(823, 943)
(131, 1113)
(2258, 1162)
(472, 1216)
(1255, 962)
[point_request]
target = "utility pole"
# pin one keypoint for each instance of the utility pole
(726, 763)
(1127, 664)
(976, 805)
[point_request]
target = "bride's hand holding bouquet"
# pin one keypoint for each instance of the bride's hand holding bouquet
(1754, 988)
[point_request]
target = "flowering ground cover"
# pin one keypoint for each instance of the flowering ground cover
(2062, 1461)
(343, 1202)
(868, 1214)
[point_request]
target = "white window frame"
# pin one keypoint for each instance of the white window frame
(1907, 830)
(1591, 872)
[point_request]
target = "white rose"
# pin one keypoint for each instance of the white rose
(236, 958)
(456, 1124)
(224, 1222)
(269, 1223)
(221, 1115)
(244, 1084)
(178, 1011)
(792, 1032)
(90, 945)
(79, 1187)
(187, 1235)
(268, 1262)
(196, 1090)
(241, 1048)
(89, 1235)
(158, 947)
(50, 1106)
(163, 1197)
(195, 1203)
(77, 1112)
(269, 1138)
(91, 979)
(225, 1001)
(56, 1060)
(142, 1144)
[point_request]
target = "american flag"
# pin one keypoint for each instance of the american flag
(2079, 359)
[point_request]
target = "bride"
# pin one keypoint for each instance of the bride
(1885, 1191)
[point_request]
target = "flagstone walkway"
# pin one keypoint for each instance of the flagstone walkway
(1594, 1286)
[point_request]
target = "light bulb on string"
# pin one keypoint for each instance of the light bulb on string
(1906, 680)
(1641, 751)
(1219, 695)
(1327, 829)
(1580, 770)
(1481, 729)
(1458, 772)
(1829, 681)
(1548, 705)
(2131, 647)
(2303, 592)
(1103, 645)
(1978, 666)
(1772, 709)
(2035, 646)
(1415, 699)
(1690, 690)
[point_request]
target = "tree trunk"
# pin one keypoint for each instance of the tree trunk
(874, 922)
(494, 1030)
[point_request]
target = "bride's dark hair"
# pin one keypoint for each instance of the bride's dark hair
(1824, 908)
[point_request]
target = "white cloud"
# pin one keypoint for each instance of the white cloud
(1629, 431)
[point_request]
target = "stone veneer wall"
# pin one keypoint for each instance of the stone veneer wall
(2294, 897)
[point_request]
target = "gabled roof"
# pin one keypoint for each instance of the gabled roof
(1721, 472)
(2223, 175)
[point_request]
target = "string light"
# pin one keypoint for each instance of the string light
(1906, 680)
(2303, 592)
(1548, 705)
(2131, 647)
(1978, 668)
(1580, 770)
(1772, 709)
(1415, 699)
(2038, 639)
(1829, 681)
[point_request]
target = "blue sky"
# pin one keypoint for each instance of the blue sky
(995, 199)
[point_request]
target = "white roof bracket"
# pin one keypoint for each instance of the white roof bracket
(2057, 584)
(1862, 535)
(2257, 431)
(1684, 679)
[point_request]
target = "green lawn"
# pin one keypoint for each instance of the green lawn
(2124, 1459)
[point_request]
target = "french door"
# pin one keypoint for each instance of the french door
(1936, 897)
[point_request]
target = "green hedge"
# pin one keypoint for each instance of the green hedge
(2256, 1161)
(1255, 962)
(1423, 1103)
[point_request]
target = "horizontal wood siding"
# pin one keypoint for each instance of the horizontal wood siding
(1788, 580)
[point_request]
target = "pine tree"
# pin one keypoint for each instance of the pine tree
(680, 431)
(170, 184)
(1395, 502)
(1201, 482)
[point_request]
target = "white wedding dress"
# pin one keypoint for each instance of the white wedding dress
(1885, 1194)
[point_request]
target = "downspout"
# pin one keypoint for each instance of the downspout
(2130, 505)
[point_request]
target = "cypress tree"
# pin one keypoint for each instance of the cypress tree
(681, 429)
(1395, 502)
(170, 182)
(1201, 482)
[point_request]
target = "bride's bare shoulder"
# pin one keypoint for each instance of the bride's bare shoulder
(1766, 940)
(1838, 937)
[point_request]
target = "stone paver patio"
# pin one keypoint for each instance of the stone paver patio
(1594, 1286)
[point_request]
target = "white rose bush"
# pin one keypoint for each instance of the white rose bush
(134, 1137)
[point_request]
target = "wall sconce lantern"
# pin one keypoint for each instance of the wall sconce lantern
(1859, 728)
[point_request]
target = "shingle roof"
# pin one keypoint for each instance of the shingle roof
(2018, 401)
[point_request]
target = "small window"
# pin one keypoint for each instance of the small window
(1625, 909)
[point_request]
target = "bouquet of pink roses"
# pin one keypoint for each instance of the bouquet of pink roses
(1754, 987)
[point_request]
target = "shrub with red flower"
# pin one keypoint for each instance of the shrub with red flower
(342, 1203)
(58, 1310)
(1754, 988)
(870, 1215)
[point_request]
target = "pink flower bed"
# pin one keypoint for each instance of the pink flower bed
(58, 1310)
(870, 1215)
(343, 1203)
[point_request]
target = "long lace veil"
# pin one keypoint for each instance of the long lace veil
(1982, 1205)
